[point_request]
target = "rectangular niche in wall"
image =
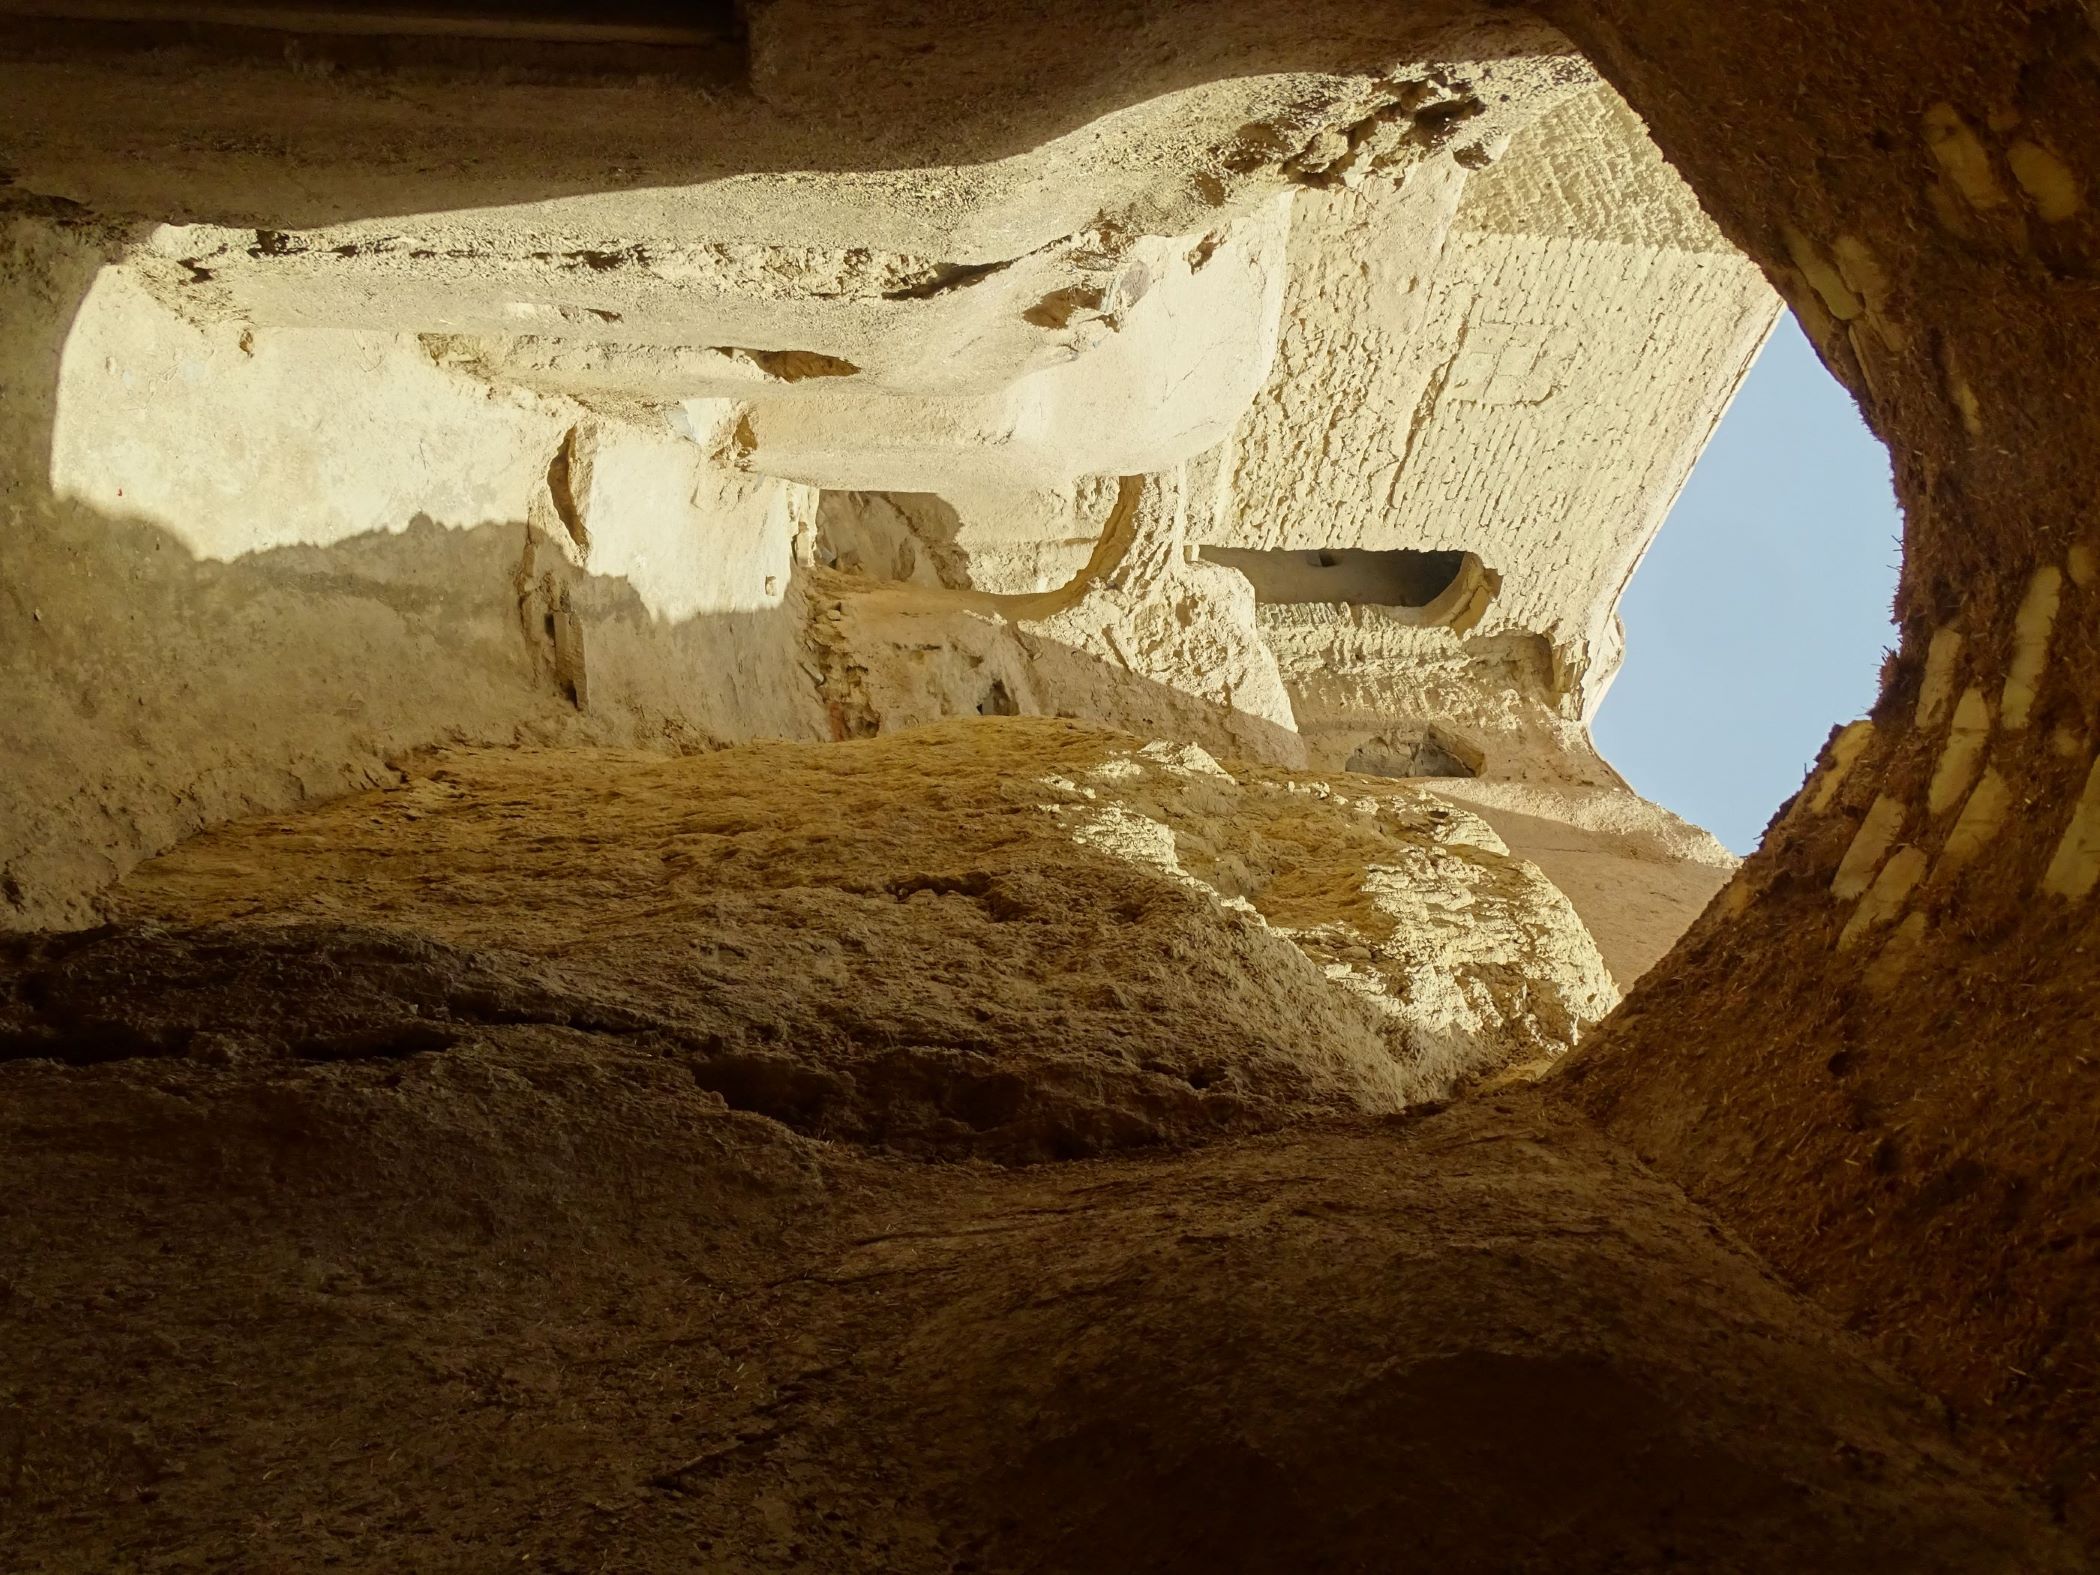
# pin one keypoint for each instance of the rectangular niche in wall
(1431, 588)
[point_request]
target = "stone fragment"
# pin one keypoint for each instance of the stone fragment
(1947, 209)
(1885, 898)
(2046, 179)
(1861, 270)
(1962, 157)
(1823, 277)
(1845, 749)
(1897, 953)
(1966, 739)
(1942, 657)
(2076, 865)
(1863, 274)
(1980, 820)
(2031, 626)
(1869, 844)
(1966, 403)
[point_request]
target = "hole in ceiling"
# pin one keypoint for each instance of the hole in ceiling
(1760, 613)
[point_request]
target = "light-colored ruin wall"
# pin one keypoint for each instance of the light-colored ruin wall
(290, 503)
(246, 568)
(1521, 363)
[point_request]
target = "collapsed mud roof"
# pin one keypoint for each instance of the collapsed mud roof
(670, 663)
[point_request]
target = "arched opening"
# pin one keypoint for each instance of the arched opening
(1409, 580)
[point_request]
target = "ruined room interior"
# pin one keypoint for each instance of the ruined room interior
(808, 786)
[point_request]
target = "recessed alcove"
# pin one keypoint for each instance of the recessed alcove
(1416, 750)
(1426, 587)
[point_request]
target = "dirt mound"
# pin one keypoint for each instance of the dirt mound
(1019, 937)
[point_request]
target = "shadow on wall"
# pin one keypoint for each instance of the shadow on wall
(155, 692)
(908, 537)
(343, 152)
(1143, 637)
(1397, 577)
(1429, 590)
(1424, 751)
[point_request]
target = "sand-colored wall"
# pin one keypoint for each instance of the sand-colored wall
(247, 568)
(408, 473)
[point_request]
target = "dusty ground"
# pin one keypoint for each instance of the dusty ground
(538, 1301)
(387, 1235)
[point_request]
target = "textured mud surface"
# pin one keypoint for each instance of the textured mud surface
(1874, 1060)
(1885, 1138)
(451, 1179)
(539, 1300)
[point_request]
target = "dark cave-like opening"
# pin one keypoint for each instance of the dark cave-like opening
(1398, 577)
